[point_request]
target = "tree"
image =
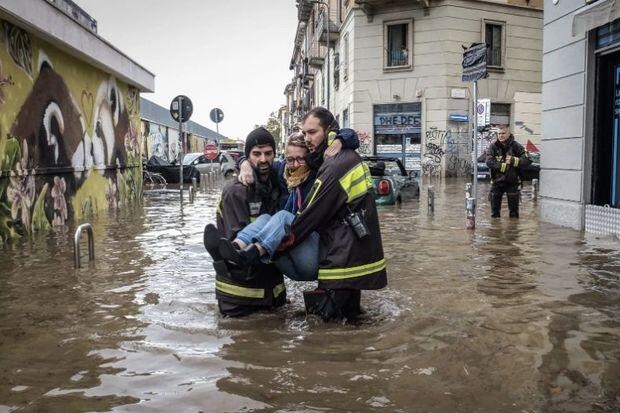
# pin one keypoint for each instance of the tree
(274, 127)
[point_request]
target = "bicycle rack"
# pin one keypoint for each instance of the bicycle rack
(76, 243)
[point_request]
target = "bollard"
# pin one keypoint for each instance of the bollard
(468, 190)
(431, 199)
(76, 244)
(471, 213)
(203, 182)
(534, 188)
(194, 184)
(191, 194)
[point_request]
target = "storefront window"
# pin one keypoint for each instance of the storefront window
(398, 129)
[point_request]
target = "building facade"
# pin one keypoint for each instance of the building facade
(69, 118)
(580, 182)
(160, 133)
(394, 71)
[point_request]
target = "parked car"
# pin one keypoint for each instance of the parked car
(170, 171)
(223, 163)
(390, 180)
(528, 173)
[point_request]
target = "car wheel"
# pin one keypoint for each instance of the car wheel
(228, 173)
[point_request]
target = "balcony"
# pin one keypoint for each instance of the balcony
(316, 56)
(321, 29)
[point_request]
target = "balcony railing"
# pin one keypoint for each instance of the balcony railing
(321, 29)
(397, 58)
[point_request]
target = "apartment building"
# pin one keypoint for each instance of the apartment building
(394, 70)
(580, 182)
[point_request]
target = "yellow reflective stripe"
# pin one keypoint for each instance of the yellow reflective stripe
(351, 272)
(315, 188)
(218, 210)
(278, 289)
(239, 291)
(502, 167)
(356, 183)
(517, 162)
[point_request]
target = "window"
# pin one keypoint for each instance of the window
(494, 37)
(398, 42)
(500, 113)
(336, 70)
(345, 118)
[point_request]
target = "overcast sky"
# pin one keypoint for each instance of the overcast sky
(231, 54)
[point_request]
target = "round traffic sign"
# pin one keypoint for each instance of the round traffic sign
(185, 110)
(211, 151)
(216, 115)
(480, 108)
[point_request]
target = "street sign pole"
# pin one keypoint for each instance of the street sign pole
(180, 148)
(475, 177)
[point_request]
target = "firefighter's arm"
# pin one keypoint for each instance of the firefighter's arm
(522, 158)
(492, 160)
(324, 201)
(234, 212)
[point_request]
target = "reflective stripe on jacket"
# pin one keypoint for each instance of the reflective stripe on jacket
(501, 171)
(262, 285)
(343, 186)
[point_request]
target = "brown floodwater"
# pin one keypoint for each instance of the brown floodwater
(516, 316)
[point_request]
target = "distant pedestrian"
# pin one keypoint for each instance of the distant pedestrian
(505, 158)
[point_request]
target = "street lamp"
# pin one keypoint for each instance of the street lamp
(326, 4)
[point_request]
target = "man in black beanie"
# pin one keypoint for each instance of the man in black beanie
(242, 291)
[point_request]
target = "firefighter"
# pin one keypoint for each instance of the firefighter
(240, 290)
(341, 208)
(505, 157)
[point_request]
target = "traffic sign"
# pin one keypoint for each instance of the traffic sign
(216, 115)
(210, 151)
(186, 108)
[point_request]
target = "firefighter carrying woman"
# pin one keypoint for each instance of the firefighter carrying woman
(311, 217)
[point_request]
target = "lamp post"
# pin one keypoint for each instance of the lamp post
(326, 4)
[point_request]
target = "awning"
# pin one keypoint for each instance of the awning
(595, 15)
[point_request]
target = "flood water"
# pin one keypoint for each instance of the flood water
(516, 316)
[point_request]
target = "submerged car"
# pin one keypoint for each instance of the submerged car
(171, 171)
(390, 180)
(224, 163)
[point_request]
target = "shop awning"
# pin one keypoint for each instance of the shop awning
(595, 15)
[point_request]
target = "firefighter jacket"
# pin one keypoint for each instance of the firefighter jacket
(261, 285)
(502, 172)
(343, 186)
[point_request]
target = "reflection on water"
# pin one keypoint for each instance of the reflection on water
(516, 316)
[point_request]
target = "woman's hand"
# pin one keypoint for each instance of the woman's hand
(246, 174)
(334, 148)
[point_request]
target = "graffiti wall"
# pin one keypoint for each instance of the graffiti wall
(69, 137)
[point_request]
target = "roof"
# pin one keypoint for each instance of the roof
(53, 25)
(155, 113)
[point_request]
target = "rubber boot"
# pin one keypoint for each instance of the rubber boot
(211, 241)
(244, 258)
(496, 203)
(513, 204)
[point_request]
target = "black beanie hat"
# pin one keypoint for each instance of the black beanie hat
(259, 136)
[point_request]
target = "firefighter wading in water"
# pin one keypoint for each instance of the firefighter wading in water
(341, 208)
(241, 291)
(505, 157)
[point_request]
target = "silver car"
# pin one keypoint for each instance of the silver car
(224, 163)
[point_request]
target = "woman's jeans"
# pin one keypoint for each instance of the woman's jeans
(300, 263)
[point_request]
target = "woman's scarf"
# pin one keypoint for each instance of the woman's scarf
(296, 177)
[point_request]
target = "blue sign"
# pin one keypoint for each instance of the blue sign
(457, 117)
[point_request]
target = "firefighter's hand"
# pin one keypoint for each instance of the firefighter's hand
(508, 160)
(246, 174)
(334, 148)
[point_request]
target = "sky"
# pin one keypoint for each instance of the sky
(231, 54)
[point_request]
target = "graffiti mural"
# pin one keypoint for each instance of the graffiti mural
(69, 145)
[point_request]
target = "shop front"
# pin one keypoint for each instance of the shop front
(398, 131)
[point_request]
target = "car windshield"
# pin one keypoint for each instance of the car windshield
(189, 158)
(384, 168)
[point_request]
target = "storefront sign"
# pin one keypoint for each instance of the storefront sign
(407, 122)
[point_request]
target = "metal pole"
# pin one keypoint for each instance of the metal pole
(431, 199)
(180, 148)
(76, 244)
(534, 188)
(471, 205)
(328, 44)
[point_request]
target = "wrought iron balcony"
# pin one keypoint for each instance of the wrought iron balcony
(321, 29)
